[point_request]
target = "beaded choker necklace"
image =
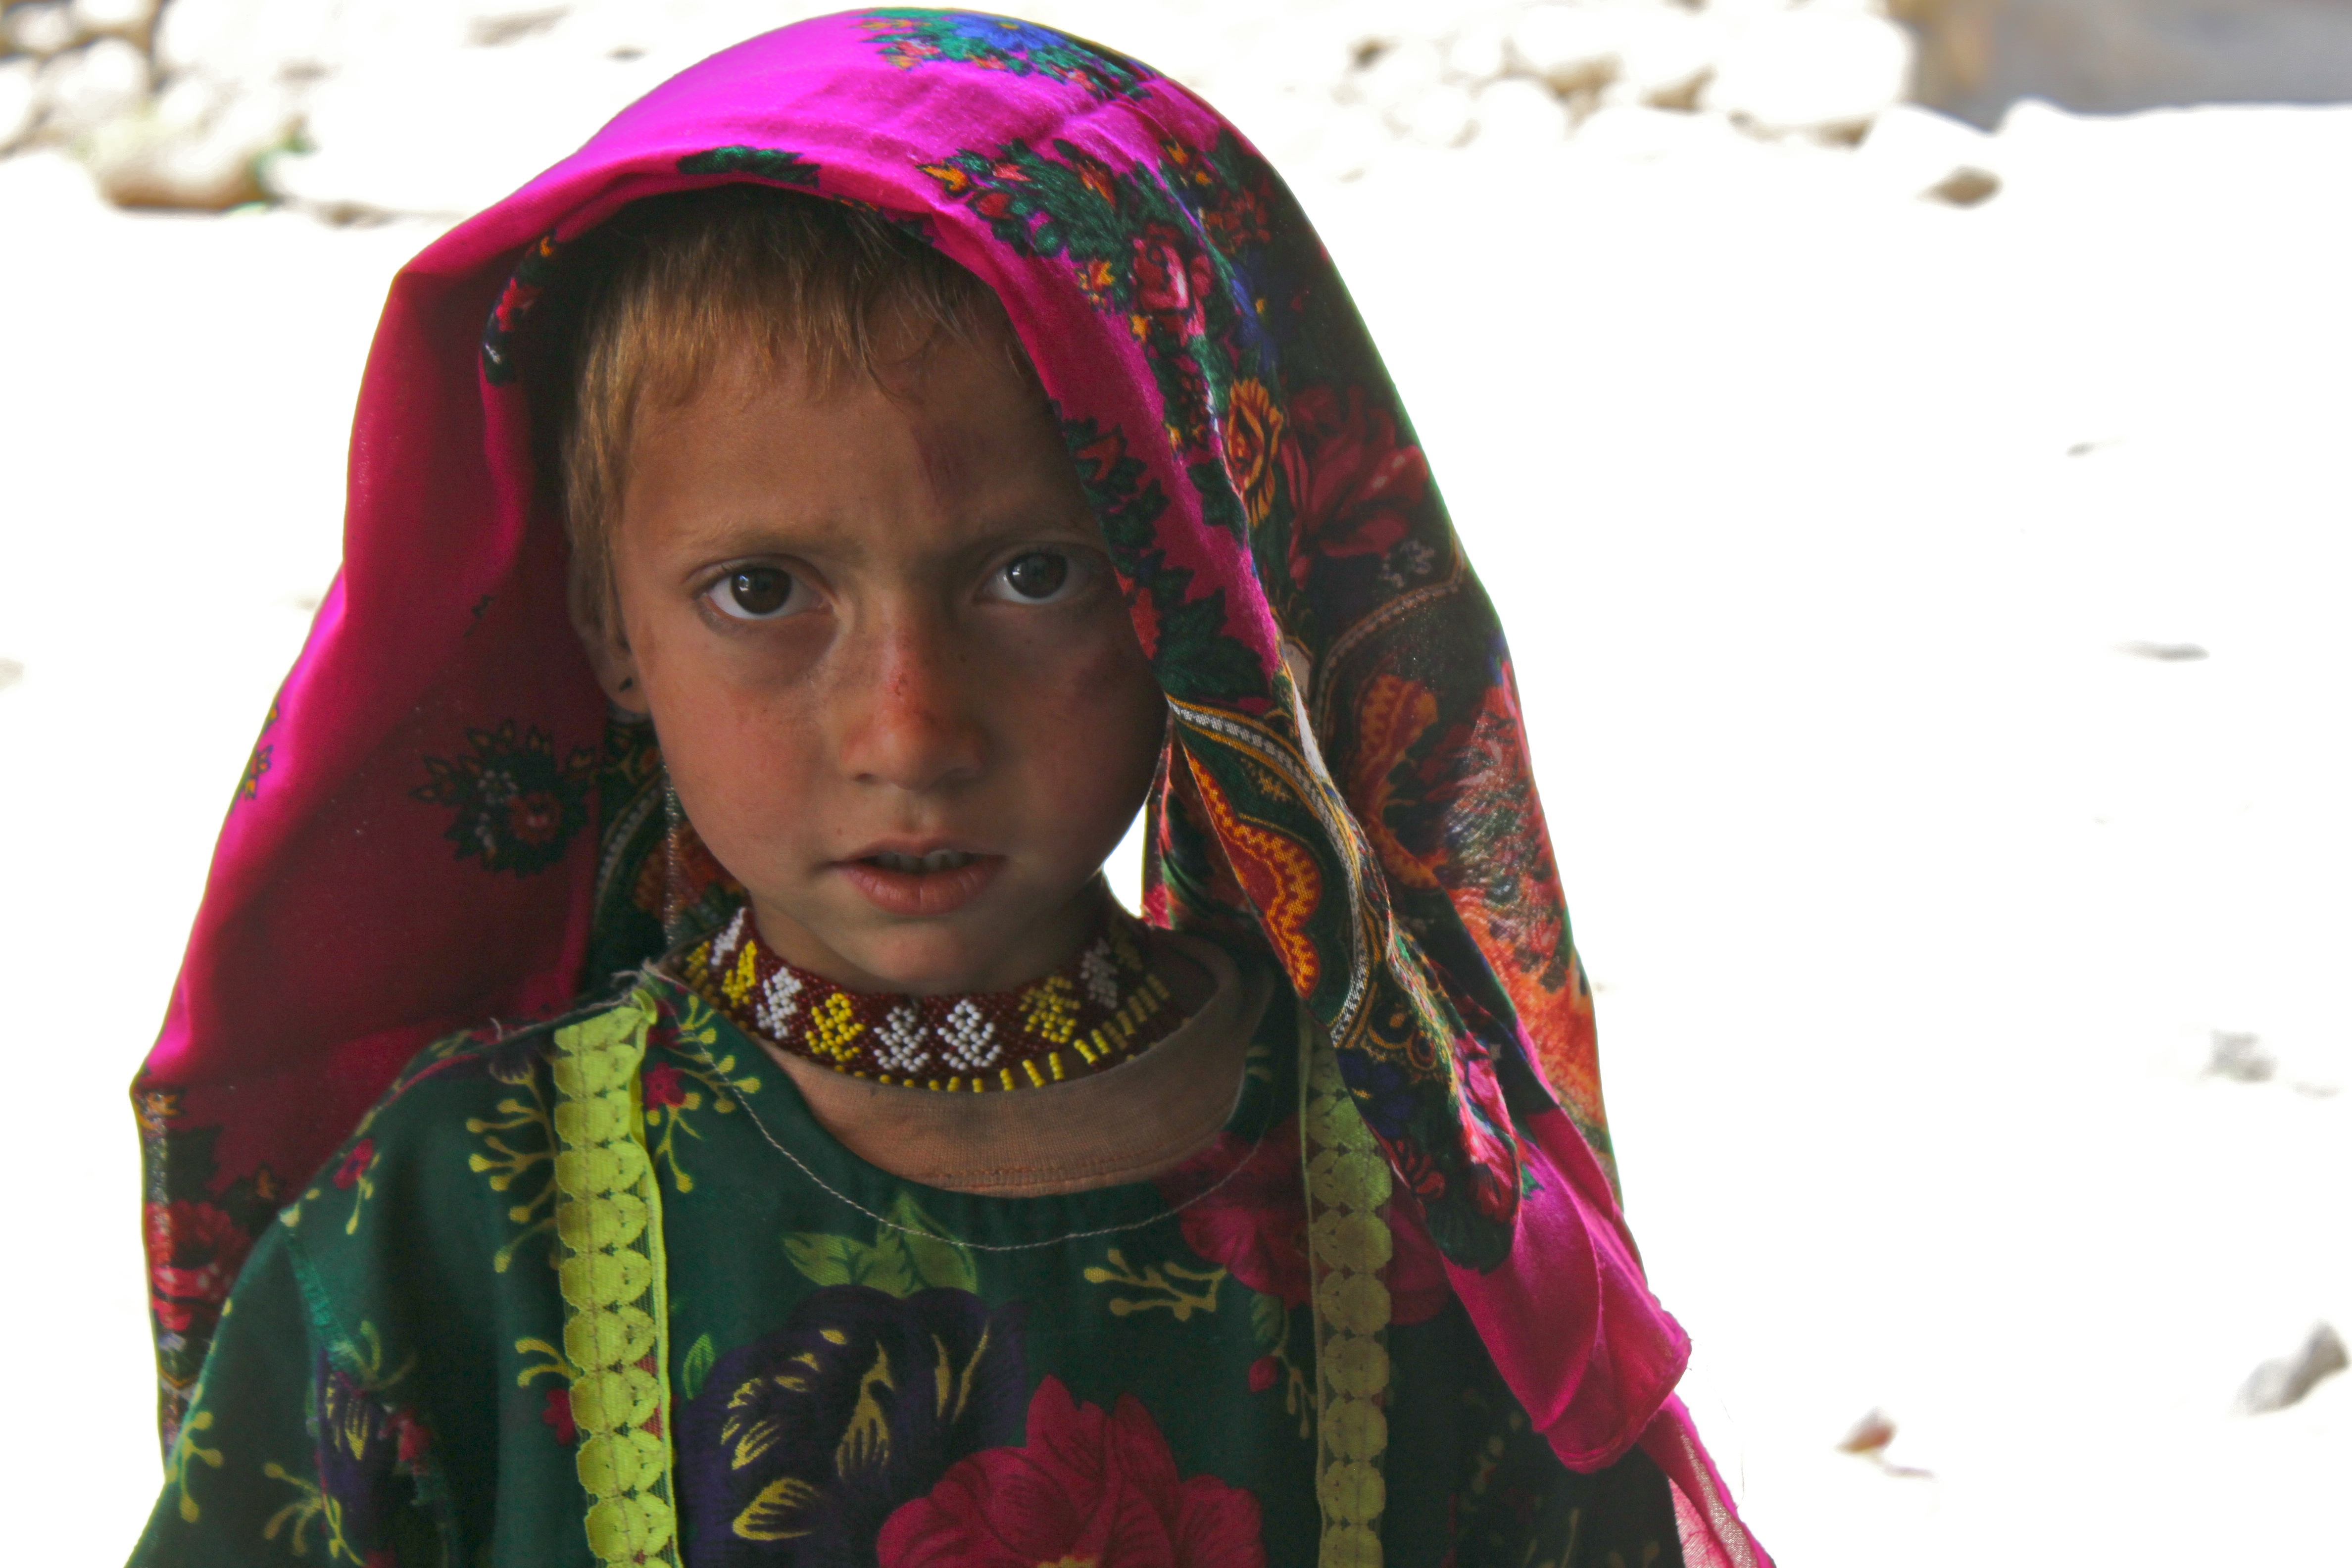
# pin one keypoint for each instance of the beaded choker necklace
(1093, 1013)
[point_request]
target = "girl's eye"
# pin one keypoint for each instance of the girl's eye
(1038, 577)
(757, 593)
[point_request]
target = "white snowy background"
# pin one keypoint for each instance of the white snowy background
(1931, 618)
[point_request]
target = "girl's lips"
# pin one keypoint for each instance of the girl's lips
(917, 894)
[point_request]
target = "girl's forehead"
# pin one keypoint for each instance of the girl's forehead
(954, 415)
(953, 454)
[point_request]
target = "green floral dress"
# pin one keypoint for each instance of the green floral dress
(602, 1290)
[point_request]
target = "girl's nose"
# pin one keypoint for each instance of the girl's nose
(910, 724)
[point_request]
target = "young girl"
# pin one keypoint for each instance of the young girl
(944, 436)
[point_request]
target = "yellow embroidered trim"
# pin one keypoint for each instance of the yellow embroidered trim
(615, 1282)
(1349, 1243)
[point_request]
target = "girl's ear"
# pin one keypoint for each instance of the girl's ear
(594, 599)
(607, 645)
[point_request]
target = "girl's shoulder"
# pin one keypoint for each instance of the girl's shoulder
(463, 1141)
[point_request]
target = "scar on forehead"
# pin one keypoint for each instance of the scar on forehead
(947, 452)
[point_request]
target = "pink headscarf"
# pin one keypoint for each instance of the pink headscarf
(437, 825)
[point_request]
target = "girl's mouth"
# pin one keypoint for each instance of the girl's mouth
(937, 860)
(921, 886)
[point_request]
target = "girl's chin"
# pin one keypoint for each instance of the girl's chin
(993, 938)
(846, 944)
(945, 960)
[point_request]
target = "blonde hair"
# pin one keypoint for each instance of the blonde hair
(676, 286)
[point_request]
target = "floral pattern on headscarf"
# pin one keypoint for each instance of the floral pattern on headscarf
(911, 38)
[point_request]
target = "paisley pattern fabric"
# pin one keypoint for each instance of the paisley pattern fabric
(441, 826)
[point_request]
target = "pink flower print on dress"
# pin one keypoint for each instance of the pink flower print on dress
(1252, 1217)
(663, 1089)
(355, 1163)
(1086, 1487)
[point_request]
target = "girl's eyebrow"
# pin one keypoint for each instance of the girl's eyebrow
(1079, 529)
(727, 537)
(840, 538)
(1075, 523)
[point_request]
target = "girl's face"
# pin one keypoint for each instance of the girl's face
(896, 685)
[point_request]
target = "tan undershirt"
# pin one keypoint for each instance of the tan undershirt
(1143, 1117)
